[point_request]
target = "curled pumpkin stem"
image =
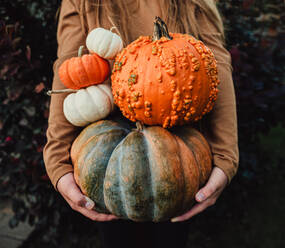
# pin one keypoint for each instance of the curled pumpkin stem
(50, 92)
(139, 125)
(113, 28)
(160, 29)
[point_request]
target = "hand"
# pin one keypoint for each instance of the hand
(79, 202)
(208, 195)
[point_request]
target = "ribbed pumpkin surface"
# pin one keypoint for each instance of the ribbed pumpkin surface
(142, 175)
(80, 72)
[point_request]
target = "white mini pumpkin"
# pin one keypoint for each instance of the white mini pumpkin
(88, 105)
(104, 43)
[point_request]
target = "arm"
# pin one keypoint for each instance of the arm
(60, 133)
(219, 127)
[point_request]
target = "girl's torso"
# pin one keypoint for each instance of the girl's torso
(140, 21)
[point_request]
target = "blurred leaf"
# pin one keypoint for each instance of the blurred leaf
(14, 222)
(39, 87)
(31, 110)
(28, 53)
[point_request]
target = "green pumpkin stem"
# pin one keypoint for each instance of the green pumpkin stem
(160, 29)
(80, 50)
(139, 125)
(50, 92)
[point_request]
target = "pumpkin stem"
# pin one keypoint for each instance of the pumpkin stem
(112, 28)
(160, 29)
(80, 51)
(50, 92)
(139, 125)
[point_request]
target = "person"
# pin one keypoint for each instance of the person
(133, 18)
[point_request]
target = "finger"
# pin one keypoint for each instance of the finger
(217, 181)
(205, 193)
(106, 217)
(79, 202)
(198, 208)
(77, 198)
(95, 216)
(91, 214)
(86, 210)
(70, 191)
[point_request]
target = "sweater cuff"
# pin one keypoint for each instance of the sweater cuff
(226, 165)
(59, 172)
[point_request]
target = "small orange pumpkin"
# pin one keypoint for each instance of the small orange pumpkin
(83, 71)
(168, 79)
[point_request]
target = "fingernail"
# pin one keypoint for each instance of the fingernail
(174, 219)
(200, 196)
(89, 203)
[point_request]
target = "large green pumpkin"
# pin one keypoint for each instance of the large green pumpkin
(143, 174)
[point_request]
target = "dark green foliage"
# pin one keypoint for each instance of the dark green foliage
(255, 38)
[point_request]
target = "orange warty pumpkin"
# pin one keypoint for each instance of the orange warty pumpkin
(83, 71)
(168, 79)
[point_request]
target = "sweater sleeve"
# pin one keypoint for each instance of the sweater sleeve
(220, 125)
(60, 133)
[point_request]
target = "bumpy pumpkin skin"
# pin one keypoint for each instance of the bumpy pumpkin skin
(142, 175)
(165, 82)
(84, 71)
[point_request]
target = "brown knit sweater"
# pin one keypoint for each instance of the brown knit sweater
(219, 127)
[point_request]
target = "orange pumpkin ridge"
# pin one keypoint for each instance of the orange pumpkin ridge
(84, 71)
(86, 64)
(64, 73)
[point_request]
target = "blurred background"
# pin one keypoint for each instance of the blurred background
(250, 212)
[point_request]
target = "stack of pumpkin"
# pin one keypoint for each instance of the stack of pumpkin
(86, 74)
(149, 173)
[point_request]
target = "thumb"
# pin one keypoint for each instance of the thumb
(204, 193)
(89, 204)
(78, 199)
(217, 181)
